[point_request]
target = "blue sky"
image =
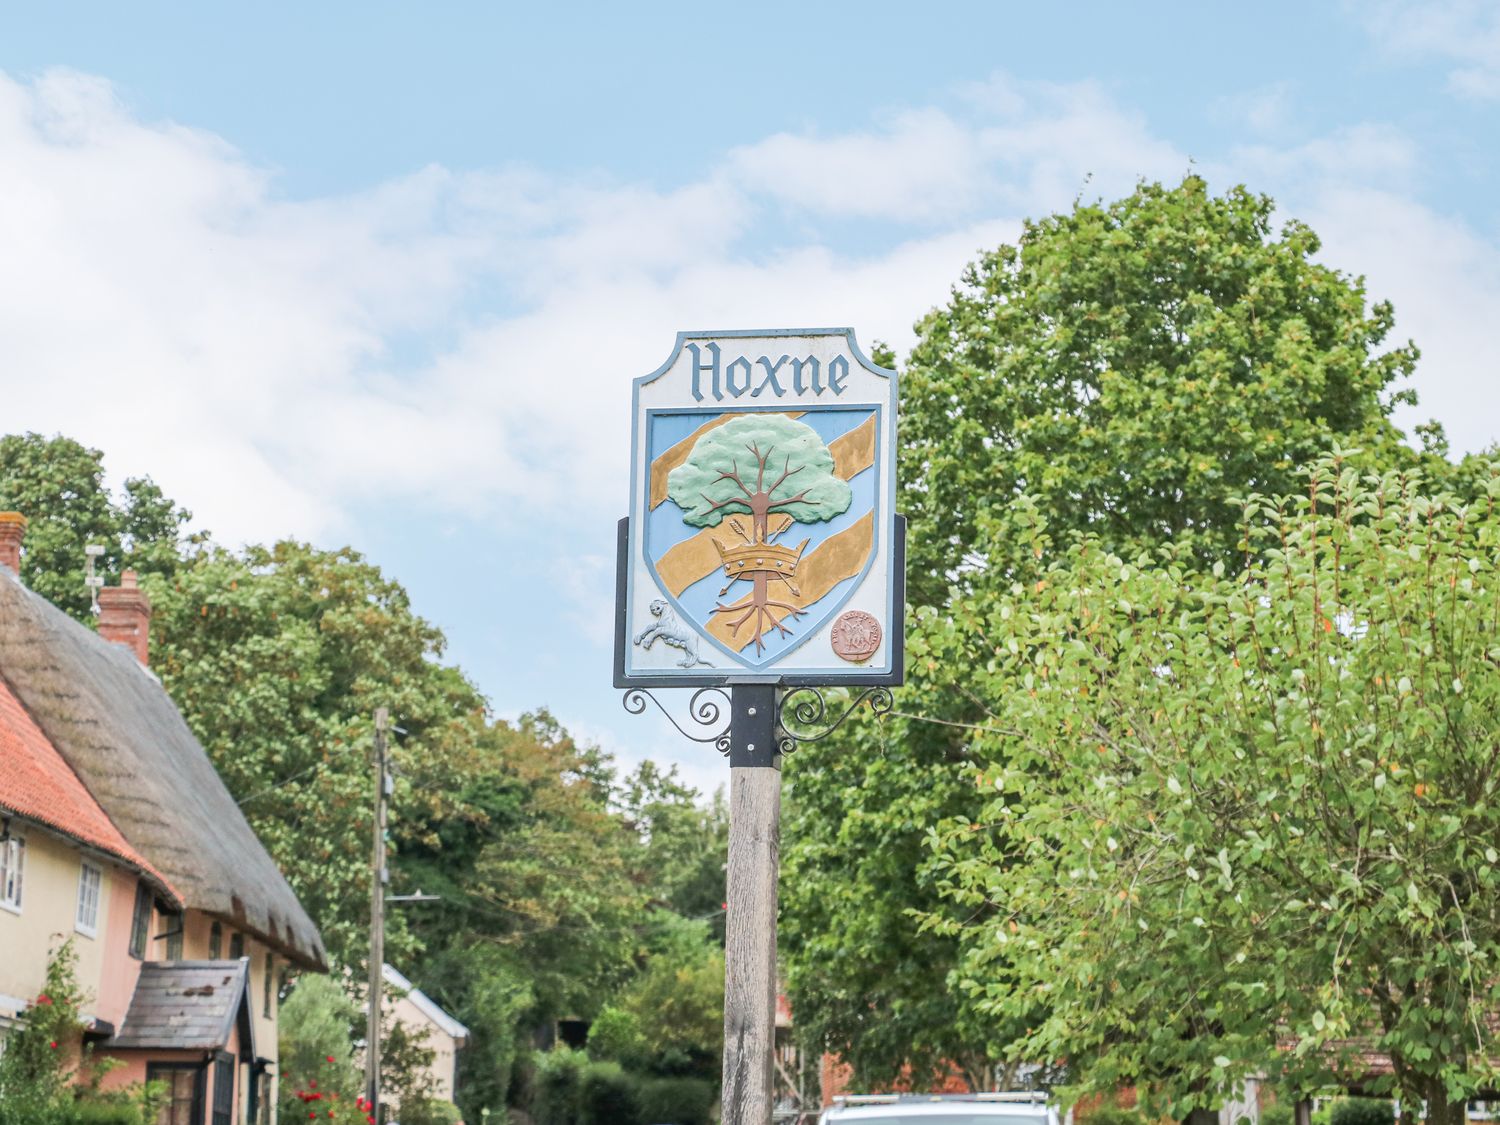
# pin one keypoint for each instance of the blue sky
(382, 273)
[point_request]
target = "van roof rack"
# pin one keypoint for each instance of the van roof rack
(1034, 1097)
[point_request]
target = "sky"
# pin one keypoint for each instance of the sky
(381, 274)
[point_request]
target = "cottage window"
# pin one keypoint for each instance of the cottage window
(174, 937)
(215, 941)
(140, 922)
(184, 1084)
(265, 986)
(236, 946)
(12, 872)
(90, 883)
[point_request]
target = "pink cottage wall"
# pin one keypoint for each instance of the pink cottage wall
(134, 1063)
(119, 970)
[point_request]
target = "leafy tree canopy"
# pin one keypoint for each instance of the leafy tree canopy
(59, 486)
(1243, 823)
(558, 881)
(1125, 370)
(1133, 366)
(757, 464)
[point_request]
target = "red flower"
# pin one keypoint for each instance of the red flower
(44, 999)
(53, 1044)
(312, 1114)
(312, 1085)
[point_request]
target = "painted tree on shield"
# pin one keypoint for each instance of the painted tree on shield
(761, 466)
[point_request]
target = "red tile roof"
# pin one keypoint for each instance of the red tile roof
(37, 784)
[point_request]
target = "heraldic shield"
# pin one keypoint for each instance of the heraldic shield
(761, 535)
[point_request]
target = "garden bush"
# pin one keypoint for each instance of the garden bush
(1362, 1111)
(103, 1113)
(608, 1095)
(557, 1086)
(680, 1101)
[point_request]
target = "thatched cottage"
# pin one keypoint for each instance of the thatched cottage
(116, 830)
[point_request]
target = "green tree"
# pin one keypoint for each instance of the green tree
(558, 883)
(787, 457)
(669, 1019)
(681, 841)
(1126, 369)
(59, 486)
(317, 1025)
(1133, 367)
(1245, 823)
(278, 658)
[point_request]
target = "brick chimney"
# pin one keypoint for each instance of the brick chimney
(12, 532)
(125, 616)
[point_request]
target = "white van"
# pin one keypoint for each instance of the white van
(1024, 1108)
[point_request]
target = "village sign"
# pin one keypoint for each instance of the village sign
(763, 541)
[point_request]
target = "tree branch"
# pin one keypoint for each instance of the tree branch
(786, 471)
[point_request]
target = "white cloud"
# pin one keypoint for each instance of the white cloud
(1027, 145)
(1444, 279)
(158, 300)
(1464, 33)
(274, 363)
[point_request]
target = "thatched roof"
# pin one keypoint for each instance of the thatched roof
(122, 735)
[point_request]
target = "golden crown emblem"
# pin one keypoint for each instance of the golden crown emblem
(770, 558)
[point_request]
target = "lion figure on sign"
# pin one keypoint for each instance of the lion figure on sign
(669, 631)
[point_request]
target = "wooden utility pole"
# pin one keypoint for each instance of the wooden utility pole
(377, 916)
(750, 928)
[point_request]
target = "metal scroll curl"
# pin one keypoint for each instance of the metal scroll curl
(706, 715)
(803, 714)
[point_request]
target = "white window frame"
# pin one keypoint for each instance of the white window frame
(89, 927)
(12, 873)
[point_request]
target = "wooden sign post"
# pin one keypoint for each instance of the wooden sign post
(762, 559)
(750, 922)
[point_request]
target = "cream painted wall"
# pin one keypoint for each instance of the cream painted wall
(443, 1046)
(49, 911)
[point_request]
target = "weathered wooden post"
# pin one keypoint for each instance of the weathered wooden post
(738, 439)
(750, 925)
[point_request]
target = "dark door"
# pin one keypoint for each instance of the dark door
(224, 1089)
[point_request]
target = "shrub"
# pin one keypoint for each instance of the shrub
(681, 1101)
(1362, 1111)
(557, 1086)
(608, 1096)
(37, 1065)
(1111, 1115)
(104, 1113)
(429, 1111)
(616, 1034)
(1278, 1113)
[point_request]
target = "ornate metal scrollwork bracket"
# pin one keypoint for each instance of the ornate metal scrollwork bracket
(706, 715)
(806, 719)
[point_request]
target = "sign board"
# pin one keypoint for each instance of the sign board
(763, 543)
